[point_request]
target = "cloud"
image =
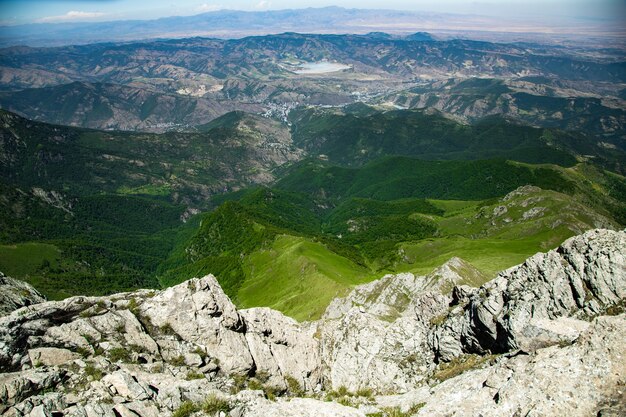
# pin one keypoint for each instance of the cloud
(263, 4)
(206, 7)
(70, 16)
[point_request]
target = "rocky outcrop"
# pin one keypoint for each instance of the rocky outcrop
(585, 378)
(378, 336)
(525, 307)
(543, 338)
(15, 294)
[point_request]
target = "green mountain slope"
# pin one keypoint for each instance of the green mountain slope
(111, 204)
(350, 139)
(401, 177)
(179, 167)
(322, 229)
(90, 212)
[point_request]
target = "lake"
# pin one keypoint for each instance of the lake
(321, 67)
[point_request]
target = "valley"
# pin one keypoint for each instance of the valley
(293, 216)
(295, 166)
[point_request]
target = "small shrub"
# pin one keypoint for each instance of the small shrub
(294, 387)
(94, 373)
(262, 376)
(255, 384)
(345, 400)
(137, 348)
(167, 329)
(438, 320)
(199, 351)
(239, 383)
(119, 355)
(271, 392)
(83, 351)
(186, 409)
(133, 307)
(194, 375)
(214, 404)
(365, 392)
(178, 360)
(616, 309)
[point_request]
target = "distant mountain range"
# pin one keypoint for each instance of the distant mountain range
(163, 85)
(234, 23)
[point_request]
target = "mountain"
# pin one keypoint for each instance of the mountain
(87, 211)
(117, 107)
(351, 139)
(183, 167)
(169, 64)
(258, 243)
(538, 101)
(175, 84)
(237, 23)
(402, 345)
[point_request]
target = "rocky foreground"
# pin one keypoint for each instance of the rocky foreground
(547, 337)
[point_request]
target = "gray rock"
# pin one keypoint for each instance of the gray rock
(15, 294)
(587, 273)
(577, 380)
(301, 407)
(51, 356)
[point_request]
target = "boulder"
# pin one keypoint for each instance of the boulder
(49, 356)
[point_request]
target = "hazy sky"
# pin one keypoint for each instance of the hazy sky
(29, 11)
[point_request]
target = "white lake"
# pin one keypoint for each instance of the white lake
(321, 67)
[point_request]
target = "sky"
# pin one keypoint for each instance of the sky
(52, 11)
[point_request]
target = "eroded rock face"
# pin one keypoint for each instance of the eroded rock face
(148, 352)
(201, 314)
(378, 336)
(282, 347)
(580, 279)
(584, 379)
(543, 338)
(15, 294)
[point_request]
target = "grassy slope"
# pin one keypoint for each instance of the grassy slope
(27, 258)
(293, 248)
(298, 276)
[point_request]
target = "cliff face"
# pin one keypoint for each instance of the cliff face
(543, 338)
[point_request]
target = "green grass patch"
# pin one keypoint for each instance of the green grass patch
(298, 277)
(24, 259)
(148, 189)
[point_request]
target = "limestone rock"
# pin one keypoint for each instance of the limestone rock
(578, 380)
(282, 347)
(49, 356)
(198, 311)
(15, 294)
(17, 386)
(302, 407)
(377, 336)
(147, 353)
(581, 278)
